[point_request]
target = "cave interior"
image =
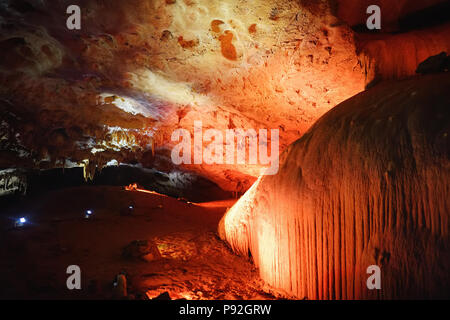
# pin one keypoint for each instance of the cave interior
(224, 150)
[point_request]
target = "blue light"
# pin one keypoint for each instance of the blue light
(20, 222)
(88, 214)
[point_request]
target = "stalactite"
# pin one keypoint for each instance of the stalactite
(12, 181)
(89, 168)
(366, 185)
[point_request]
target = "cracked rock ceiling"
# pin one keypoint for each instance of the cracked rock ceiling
(137, 70)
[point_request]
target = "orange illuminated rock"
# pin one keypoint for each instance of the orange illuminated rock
(228, 49)
(162, 61)
(110, 99)
(397, 56)
(186, 44)
(215, 25)
(366, 185)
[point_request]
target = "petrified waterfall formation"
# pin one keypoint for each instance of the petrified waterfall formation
(366, 185)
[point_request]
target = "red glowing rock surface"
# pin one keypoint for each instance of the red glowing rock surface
(137, 70)
(397, 56)
(366, 185)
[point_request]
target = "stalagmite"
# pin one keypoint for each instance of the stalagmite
(367, 185)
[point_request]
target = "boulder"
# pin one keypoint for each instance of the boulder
(434, 64)
(145, 250)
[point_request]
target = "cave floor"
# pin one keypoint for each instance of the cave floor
(195, 263)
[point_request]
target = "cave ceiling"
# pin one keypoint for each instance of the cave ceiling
(137, 70)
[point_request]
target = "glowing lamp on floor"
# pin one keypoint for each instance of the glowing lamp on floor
(88, 214)
(20, 222)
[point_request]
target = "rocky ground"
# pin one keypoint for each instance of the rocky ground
(193, 264)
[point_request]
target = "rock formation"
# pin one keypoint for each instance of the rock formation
(366, 185)
(115, 90)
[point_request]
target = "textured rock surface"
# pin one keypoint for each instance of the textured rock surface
(397, 56)
(196, 264)
(137, 70)
(141, 249)
(366, 185)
